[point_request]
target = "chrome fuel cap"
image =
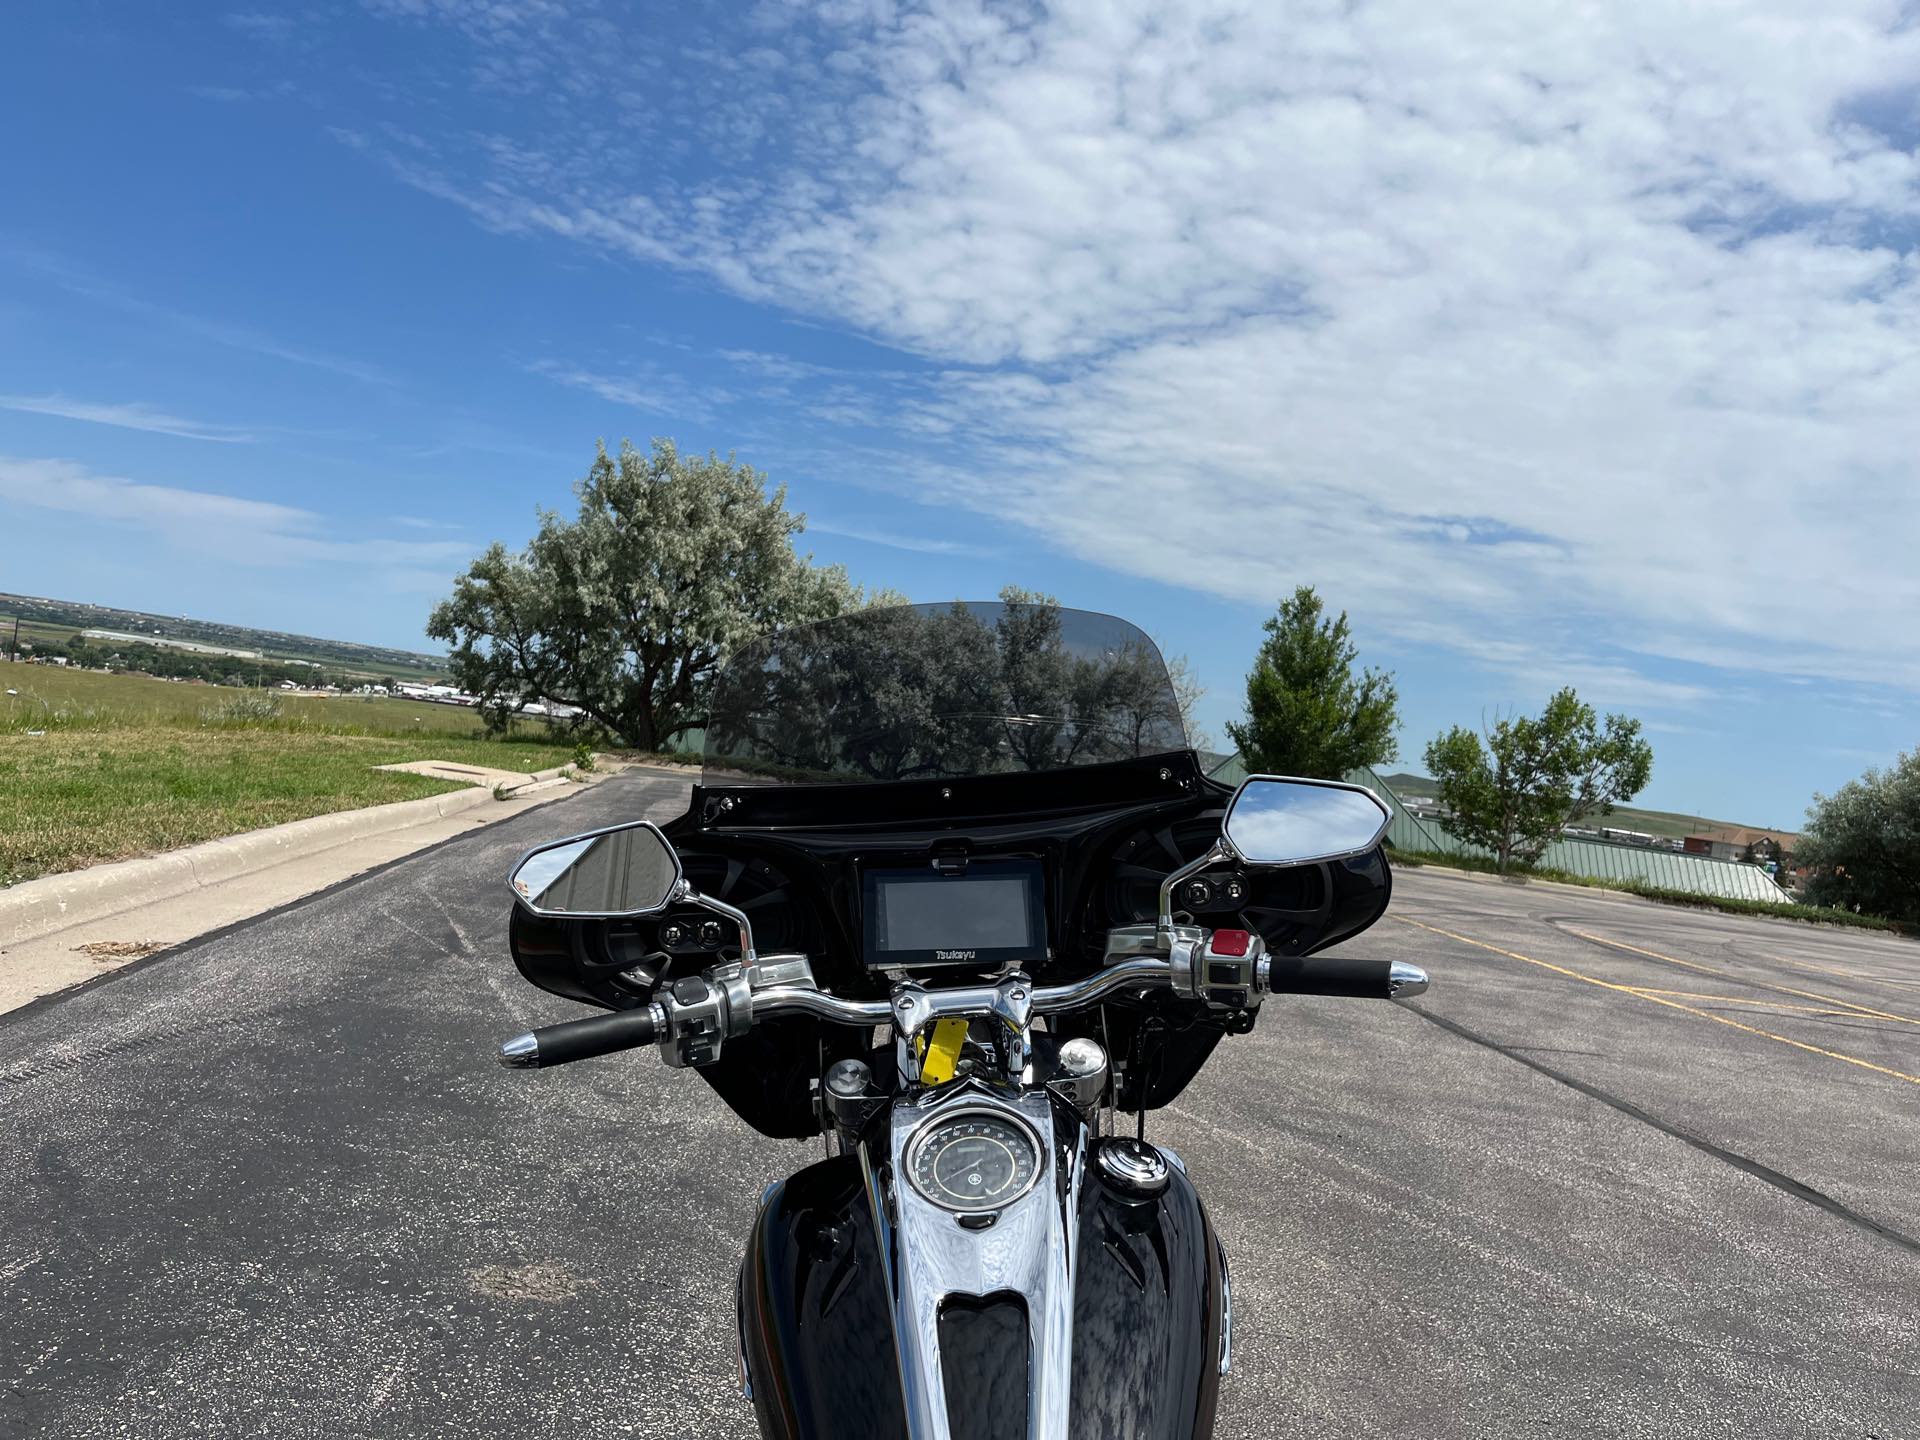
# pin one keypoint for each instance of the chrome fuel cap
(1133, 1166)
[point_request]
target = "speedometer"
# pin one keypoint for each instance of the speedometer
(972, 1160)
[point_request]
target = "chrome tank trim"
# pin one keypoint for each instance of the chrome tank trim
(1030, 1250)
(1226, 1313)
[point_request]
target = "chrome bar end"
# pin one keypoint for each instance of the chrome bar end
(1405, 981)
(522, 1052)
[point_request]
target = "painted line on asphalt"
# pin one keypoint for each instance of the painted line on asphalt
(1751, 1003)
(1778, 1179)
(1740, 979)
(1640, 994)
(1817, 969)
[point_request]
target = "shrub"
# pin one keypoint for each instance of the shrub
(251, 708)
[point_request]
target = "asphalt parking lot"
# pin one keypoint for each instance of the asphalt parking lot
(1625, 1170)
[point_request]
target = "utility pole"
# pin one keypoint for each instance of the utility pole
(13, 650)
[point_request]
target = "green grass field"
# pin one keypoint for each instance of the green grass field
(125, 765)
(82, 699)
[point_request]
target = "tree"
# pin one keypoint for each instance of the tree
(624, 612)
(1862, 843)
(1532, 777)
(1306, 713)
(919, 691)
(1188, 692)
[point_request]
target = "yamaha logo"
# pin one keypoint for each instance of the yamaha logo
(956, 954)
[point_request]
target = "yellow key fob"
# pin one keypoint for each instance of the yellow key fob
(943, 1051)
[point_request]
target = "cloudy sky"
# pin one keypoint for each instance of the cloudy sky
(1557, 344)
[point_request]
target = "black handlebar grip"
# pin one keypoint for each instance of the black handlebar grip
(580, 1039)
(1339, 975)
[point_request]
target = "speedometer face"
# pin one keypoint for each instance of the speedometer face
(973, 1160)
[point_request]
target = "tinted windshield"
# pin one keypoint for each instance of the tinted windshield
(917, 692)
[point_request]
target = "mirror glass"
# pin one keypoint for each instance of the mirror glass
(629, 871)
(1292, 822)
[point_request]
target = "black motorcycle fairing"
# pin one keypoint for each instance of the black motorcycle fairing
(791, 857)
(1149, 1310)
(814, 1313)
(767, 1075)
(823, 836)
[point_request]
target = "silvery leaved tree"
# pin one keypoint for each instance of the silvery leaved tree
(624, 611)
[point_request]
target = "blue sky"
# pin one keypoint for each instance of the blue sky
(1557, 349)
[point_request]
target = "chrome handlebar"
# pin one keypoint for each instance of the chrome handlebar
(1138, 973)
(1226, 969)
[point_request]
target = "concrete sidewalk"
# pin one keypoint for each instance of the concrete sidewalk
(60, 930)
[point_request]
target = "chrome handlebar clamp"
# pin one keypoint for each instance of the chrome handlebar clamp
(1010, 1004)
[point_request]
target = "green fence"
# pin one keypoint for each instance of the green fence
(1592, 859)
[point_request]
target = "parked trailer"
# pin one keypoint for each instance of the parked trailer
(1625, 837)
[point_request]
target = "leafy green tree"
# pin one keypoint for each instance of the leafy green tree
(1862, 843)
(1307, 714)
(625, 611)
(1531, 777)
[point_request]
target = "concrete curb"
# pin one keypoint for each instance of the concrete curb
(34, 909)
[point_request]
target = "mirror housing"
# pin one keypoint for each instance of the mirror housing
(604, 875)
(1281, 820)
(1275, 820)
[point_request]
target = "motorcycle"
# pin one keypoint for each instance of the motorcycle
(954, 892)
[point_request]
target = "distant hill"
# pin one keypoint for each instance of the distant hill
(62, 619)
(1669, 823)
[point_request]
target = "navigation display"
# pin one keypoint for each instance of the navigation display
(990, 914)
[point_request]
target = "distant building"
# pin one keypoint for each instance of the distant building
(1742, 843)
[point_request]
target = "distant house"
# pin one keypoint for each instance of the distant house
(1742, 843)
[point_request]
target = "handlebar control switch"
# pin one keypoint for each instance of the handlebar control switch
(1224, 969)
(697, 1026)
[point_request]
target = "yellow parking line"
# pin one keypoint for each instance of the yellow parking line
(1744, 980)
(1658, 1000)
(1747, 1000)
(1817, 969)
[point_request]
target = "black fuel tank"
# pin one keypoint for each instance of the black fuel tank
(815, 1326)
(1149, 1311)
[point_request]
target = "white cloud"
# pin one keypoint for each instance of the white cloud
(1565, 329)
(127, 417)
(893, 539)
(645, 388)
(224, 333)
(234, 529)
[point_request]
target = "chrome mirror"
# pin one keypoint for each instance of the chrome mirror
(1275, 821)
(629, 870)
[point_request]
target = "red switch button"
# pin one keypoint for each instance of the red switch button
(1231, 942)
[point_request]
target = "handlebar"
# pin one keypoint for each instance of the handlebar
(730, 1005)
(584, 1039)
(1340, 975)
